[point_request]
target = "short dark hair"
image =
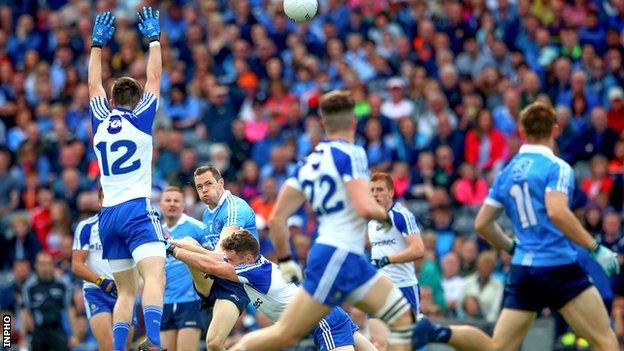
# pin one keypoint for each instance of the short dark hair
(336, 109)
(127, 92)
(384, 177)
(240, 242)
(208, 168)
(538, 120)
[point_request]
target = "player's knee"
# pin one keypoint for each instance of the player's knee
(106, 345)
(214, 345)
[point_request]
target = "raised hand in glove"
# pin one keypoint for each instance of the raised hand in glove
(148, 24)
(291, 272)
(103, 29)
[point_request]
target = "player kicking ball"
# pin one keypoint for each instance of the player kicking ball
(122, 137)
(534, 190)
(265, 286)
(334, 179)
(224, 215)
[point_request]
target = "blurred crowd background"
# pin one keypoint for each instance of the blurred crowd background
(438, 85)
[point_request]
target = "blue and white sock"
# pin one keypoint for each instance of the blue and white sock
(153, 317)
(120, 335)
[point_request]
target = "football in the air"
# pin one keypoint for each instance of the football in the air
(300, 10)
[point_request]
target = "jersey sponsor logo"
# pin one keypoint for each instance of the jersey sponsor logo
(257, 303)
(114, 124)
(94, 247)
(386, 242)
(521, 168)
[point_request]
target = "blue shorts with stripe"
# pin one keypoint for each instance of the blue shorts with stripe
(332, 274)
(335, 330)
(97, 301)
(412, 294)
(126, 226)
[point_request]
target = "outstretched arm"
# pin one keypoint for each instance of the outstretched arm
(288, 201)
(150, 28)
(103, 30)
(207, 263)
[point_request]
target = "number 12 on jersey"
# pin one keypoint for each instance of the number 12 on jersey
(117, 167)
(524, 204)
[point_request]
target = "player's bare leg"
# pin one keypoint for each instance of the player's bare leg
(168, 339)
(302, 315)
(379, 333)
(101, 327)
(588, 306)
(152, 271)
(188, 339)
(362, 343)
(126, 294)
(224, 316)
(202, 284)
(509, 332)
(374, 302)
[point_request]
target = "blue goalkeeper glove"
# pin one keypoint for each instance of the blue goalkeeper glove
(148, 24)
(103, 29)
(381, 262)
(107, 285)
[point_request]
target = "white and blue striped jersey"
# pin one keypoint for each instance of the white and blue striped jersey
(521, 189)
(386, 241)
(122, 140)
(179, 286)
(87, 238)
(266, 288)
(322, 177)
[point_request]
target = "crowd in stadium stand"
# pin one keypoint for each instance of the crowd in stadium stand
(438, 85)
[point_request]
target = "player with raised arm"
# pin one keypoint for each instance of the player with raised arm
(534, 190)
(395, 248)
(334, 179)
(224, 214)
(99, 289)
(265, 286)
(182, 321)
(130, 230)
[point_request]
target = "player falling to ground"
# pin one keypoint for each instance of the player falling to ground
(130, 230)
(182, 320)
(534, 190)
(224, 214)
(334, 178)
(99, 289)
(265, 286)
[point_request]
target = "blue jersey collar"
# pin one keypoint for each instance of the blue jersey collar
(221, 201)
(180, 221)
(536, 149)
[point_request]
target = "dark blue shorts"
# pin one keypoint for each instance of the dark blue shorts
(533, 288)
(412, 294)
(126, 226)
(335, 330)
(223, 289)
(97, 301)
(182, 315)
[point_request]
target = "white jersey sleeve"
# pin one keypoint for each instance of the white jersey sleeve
(87, 238)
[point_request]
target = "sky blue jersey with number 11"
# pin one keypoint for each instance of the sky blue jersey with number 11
(521, 190)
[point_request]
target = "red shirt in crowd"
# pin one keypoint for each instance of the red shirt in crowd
(615, 119)
(42, 222)
(498, 148)
(592, 186)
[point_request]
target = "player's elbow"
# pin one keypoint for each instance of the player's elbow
(555, 214)
(480, 225)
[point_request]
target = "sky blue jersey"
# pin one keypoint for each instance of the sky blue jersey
(521, 190)
(231, 210)
(179, 286)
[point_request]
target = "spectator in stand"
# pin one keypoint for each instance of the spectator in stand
(616, 165)
(506, 116)
(23, 246)
(482, 285)
(447, 136)
(468, 258)
(597, 186)
(470, 189)
(598, 139)
(452, 282)
(397, 105)
(611, 237)
(615, 115)
(263, 204)
(9, 191)
(378, 153)
(250, 178)
(280, 168)
(11, 289)
(567, 140)
(485, 146)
